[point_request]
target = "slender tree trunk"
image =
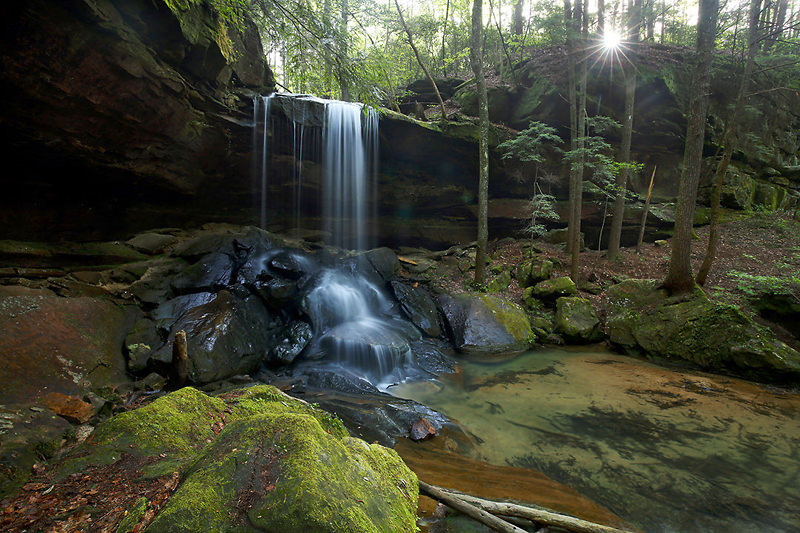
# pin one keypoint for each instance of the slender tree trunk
(444, 37)
(578, 30)
(621, 183)
(645, 211)
(679, 276)
(476, 61)
(727, 142)
(326, 24)
(419, 61)
(516, 18)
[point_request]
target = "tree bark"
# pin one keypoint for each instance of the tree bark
(644, 213)
(621, 183)
(471, 511)
(727, 143)
(679, 276)
(517, 18)
(476, 61)
(444, 36)
(578, 27)
(419, 61)
(179, 367)
(539, 516)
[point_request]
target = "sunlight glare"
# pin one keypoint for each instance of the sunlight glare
(611, 40)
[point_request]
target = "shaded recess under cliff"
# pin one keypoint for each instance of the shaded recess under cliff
(114, 114)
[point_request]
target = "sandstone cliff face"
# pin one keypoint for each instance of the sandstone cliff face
(114, 112)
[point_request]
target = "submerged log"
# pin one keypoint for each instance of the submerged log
(469, 510)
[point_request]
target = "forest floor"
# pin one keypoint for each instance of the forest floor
(755, 251)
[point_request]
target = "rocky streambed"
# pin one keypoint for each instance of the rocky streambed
(89, 335)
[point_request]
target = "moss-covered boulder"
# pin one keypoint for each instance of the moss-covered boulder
(533, 271)
(551, 289)
(500, 282)
(254, 459)
(737, 190)
(576, 321)
(485, 324)
(643, 318)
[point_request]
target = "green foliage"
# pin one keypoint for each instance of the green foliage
(528, 146)
(755, 285)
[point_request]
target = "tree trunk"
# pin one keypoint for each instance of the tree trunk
(476, 61)
(644, 213)
(679, 276)
(444, 36)
(419, 61)
(621, 183)
(727, 142)
(576, 172)
(516, 19)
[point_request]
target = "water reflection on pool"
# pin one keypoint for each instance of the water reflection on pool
(668, 450)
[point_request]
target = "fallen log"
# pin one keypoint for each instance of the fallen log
(458, 503)
(539, 516)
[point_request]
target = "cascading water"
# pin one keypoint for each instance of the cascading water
(356, 326)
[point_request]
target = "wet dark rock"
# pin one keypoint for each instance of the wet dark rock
(432, 355)
(291, 342)
(384, 262)
(225, 336)
(212, 272)
(291, 265)
(279, 294)
(142, 340)
(154, 283)
(419, 306)
(421, 430)
(169, 311)
(483, 324)
(337, 380)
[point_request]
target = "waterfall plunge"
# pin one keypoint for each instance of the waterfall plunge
(348, 153)
(356, 326)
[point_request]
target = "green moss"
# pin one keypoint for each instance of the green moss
(291, 475)
(133, 515)
(261, 399)
(510, 315)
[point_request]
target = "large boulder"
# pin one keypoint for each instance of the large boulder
(419, 306)
(225, 336)
(576, 321)
(255, 459)
(53, 344)
(643, 318)
(485, 324)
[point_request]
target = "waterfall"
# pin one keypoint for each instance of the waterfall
(356, 326)
(348, 155)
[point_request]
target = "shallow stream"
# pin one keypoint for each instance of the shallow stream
(668, 450)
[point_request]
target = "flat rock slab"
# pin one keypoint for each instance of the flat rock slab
(52, 344)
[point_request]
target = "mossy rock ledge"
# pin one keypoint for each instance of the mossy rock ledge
(642, 318)
(485, 324)
(256, 459)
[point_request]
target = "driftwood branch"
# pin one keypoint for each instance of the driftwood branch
(458, 503)
(538, 516)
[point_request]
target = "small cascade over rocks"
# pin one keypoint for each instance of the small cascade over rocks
(357, 327)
